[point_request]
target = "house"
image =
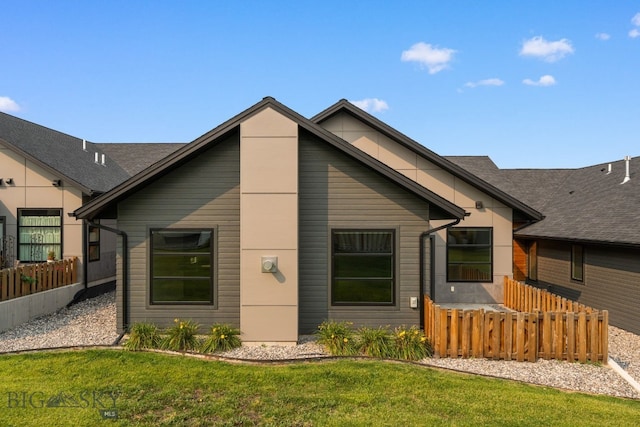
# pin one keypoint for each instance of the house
(588, 246)
(44, 176)
(273, 222)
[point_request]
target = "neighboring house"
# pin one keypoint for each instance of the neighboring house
(588, 246)
(44, 176)
(274, 223)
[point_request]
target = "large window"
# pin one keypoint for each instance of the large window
(363, 267)
(182, 266)
(469, 254)
(577, 262)
(39, 232)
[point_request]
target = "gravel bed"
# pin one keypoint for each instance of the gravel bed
(90, 322)
(93, 322)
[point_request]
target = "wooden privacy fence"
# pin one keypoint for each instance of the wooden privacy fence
(578, 335)
(31, 278)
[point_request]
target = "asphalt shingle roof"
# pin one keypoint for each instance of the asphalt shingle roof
(61, 153)
(585, 204)
(135, 157)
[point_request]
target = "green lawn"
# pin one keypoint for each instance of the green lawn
(155, 389)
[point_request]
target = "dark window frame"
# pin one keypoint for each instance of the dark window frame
(39, 212)
(212, 269)
(394, 263)
(451, 245)
(577, 271)
(93, 255)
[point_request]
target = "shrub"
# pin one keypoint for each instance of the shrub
(375, 342)
(181, 336)
(221, 338)
(337, 337)
(142, 336)
(410, 344)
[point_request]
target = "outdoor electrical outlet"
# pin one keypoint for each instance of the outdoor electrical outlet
(453, 289)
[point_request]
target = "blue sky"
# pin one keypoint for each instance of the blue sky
(541, 84)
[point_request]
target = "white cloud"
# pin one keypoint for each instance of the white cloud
(545, 80)
(8, 105)
(549, 51)
(635, 33)
(432, 57)
(485, 82)
(371, 105)
(603, 36)
(636, 19)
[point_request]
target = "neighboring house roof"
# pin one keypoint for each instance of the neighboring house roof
(92, 209)
(135, 157)
(588, 204)
(61, 154)
(583, 205)
(345, 106)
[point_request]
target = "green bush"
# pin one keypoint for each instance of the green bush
(410, 344)
(182, 336)
(375, 342)
(222, 337)
(337, 337)
(142, 336)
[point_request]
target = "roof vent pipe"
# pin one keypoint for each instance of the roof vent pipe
(627, 175)
(97, 158)
(608, 168)
(102, 163)
(84, 145)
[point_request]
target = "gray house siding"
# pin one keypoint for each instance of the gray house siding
(104, 270)
(611, 279)
(204, 193)
(337, 192)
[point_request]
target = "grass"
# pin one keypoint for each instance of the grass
(156, 389)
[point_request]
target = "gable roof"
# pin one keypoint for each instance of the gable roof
(134, 157)
(184, 154)
(60, 154)
(345, 106)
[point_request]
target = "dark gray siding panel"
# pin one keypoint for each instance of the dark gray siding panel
(202, 193)
(337, 192)
(611, 279)
(104, 269)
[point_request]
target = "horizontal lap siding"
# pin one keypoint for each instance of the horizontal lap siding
(204, 193)
(611, 279)
(338, 192)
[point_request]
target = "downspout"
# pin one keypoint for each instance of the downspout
(422, 257)
(125, 270)
(85, 257)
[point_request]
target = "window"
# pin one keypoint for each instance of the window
(94, 242)
(532, 261)
(182, 266)
(469, 254)
(577, 262)
(39, 232)
(363, 267)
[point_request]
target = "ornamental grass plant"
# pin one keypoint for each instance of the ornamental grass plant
(143, 336)
(410, 343)
(337, 337)
(375, 342)
(182, 336)
(222, 337)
